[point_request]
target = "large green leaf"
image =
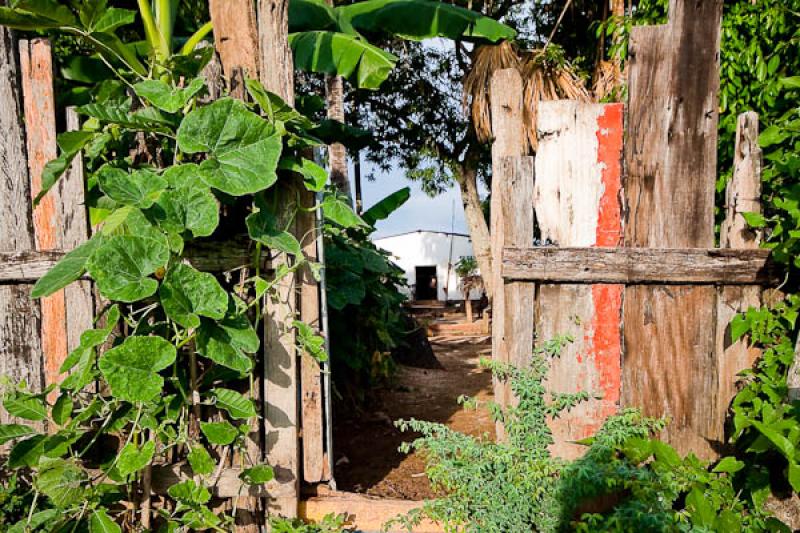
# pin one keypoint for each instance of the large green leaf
(193, 209)
(25, 406)
(100, 522)
(337, 210)
(70, 143)
(219, 433)
(328, 52)
(387, 206)
(189, 492)
(84, 355)
(36, 15)
(131, 369)
(27, 452)
(314, 176)
(424, 19)
(71, 267)
(257, 475)
(263, 227)
(243, 148)
(166, 97)
(118, 112)
(201, 461)
(188, 294)
(237, 406)
(14, 431)
(309, 15)
(63, 482)
(140, 188)
(112, 19)
(132, 459)
(228, 341)
(121, 267)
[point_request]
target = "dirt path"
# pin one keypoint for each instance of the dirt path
(366, 444)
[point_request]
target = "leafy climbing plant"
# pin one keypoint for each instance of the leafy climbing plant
(173, 342)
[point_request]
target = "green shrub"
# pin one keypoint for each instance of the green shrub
(365, 303)
(626, 481)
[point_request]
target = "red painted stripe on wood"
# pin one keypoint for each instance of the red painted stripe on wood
(40, 124)
(606, 346)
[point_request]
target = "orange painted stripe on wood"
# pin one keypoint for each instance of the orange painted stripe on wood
(40, 124)
(606, 347)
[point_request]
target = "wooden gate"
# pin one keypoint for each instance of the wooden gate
(37, 335)
(627, 265)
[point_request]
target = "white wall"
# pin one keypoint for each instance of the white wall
(429, 248)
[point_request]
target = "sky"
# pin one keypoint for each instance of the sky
(419, 212)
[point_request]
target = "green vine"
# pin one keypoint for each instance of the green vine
(174, 345)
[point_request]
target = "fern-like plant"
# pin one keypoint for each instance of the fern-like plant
(626, 481)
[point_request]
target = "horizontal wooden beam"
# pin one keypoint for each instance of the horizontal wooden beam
(29, 266)
(364, 513)
(227, 485)
(633, 266)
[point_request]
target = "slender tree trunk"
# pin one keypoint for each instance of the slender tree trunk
(476, 222)
(337, 153)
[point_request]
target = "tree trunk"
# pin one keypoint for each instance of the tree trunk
(337, 154)
(476, 222)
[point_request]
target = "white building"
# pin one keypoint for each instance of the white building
(427, 257)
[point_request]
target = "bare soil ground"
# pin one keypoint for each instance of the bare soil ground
(367, 456)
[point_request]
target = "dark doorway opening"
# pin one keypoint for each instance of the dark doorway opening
(426, 288)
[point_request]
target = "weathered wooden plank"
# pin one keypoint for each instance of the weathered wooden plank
(634, 266)
(518, 297)
(281, 378)
(577, 203)
(670, 156)
(20, 344)
(310, 371)
(364, 513)
(75, 231)
(36, 62)
(742, 195)
(509, 141)
(276, 65)
(29, 266)
(276, 71)
(228, 484)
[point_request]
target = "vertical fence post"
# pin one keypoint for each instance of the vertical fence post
(509, 140)
(577, 203)
(517, 211)
(670, 156)
(20, 344)
(281, 379)
(40, 124)
(310, 372)
(75, 230)
(742, 195)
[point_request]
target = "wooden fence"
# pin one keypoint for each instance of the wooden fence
(37, 335)
(631, 271)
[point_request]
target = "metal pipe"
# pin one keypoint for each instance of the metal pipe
(326, 366)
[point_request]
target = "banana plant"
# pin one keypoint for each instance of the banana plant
(334, 40)
(96, 23)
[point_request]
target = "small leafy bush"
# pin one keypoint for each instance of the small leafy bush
(366, 314)
(329, 524)
(626, 481)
